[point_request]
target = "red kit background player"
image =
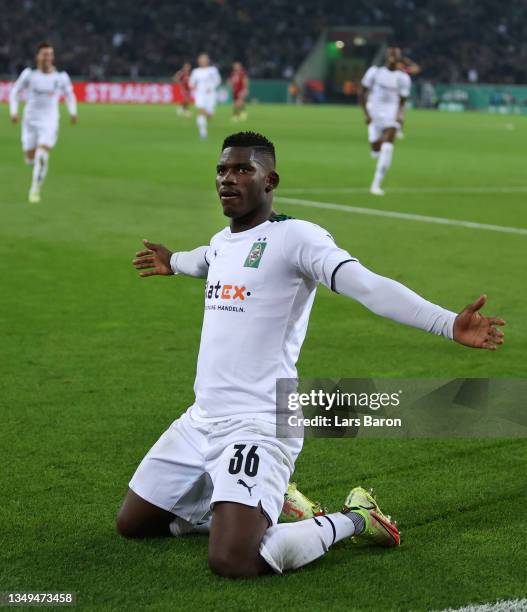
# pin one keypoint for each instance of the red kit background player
(239, 81)
(182, 77)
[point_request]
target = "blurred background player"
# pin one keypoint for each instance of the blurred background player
(384, 93)
(239, 81)
(44, 87)
(412, 69)
(182, 78)
(204, 81)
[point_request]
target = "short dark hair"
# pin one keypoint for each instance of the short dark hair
(252, 140)
(44, 45)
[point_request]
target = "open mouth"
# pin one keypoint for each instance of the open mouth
(228, 195)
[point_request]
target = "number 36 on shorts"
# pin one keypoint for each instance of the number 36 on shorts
(246, 460)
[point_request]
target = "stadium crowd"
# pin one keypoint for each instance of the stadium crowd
(453, 40)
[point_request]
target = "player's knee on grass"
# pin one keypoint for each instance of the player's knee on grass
(235, 561)
(130, 526)
(138, 518)
(126, 526)
(376, 146)
(235, 538)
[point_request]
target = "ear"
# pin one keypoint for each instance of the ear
(273, 181)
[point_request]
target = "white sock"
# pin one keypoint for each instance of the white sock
(374, 154)
(179, 526)
(383, 163)
(201, 120)
(40, 169)
(292, 545)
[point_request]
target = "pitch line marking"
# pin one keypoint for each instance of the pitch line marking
(502, 605)
(417, 190)
(398, 215)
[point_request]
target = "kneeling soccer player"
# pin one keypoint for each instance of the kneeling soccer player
(223, 455)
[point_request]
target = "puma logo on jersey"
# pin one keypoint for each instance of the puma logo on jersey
(244, 484)
(224, 291)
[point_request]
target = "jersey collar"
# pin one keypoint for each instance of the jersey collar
(257, 229)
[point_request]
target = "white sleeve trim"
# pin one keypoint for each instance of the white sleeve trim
(390, 299)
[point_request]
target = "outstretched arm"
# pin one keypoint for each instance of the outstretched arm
(156, 260)
(393, 300)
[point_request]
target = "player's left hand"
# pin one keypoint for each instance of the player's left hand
(473, 329)
(74, 119)
(154, 260)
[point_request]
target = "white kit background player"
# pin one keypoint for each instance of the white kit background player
(44, 86)
(385, 89)
(223, 454)
(204, 81)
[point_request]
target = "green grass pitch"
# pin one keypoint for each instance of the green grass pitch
(95, 362)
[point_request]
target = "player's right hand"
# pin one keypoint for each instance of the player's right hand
(154, 260)
(14, 119)
(367, 118)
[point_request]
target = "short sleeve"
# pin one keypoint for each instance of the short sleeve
(405, 85)
(313, 252)
(368, 78)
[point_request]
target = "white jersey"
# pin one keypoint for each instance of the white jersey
(259, 292)
(44, 91)
(386, 87)
(204, 81)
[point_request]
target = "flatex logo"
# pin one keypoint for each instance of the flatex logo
(225, 291)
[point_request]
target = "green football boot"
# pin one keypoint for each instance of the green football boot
(34, 196)
(297, 507)
(379, 529)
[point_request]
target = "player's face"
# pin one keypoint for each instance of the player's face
(45, 58)
(187, 67)
(241, 182)
(393, 57)
(203, 60)
(236, 66)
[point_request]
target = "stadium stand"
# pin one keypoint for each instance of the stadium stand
(454, 40)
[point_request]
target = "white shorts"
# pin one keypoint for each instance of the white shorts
(193, 465)
(35, 134)
(381, 119)
(206, 102)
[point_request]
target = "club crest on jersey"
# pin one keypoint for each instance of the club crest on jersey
(255, 255)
